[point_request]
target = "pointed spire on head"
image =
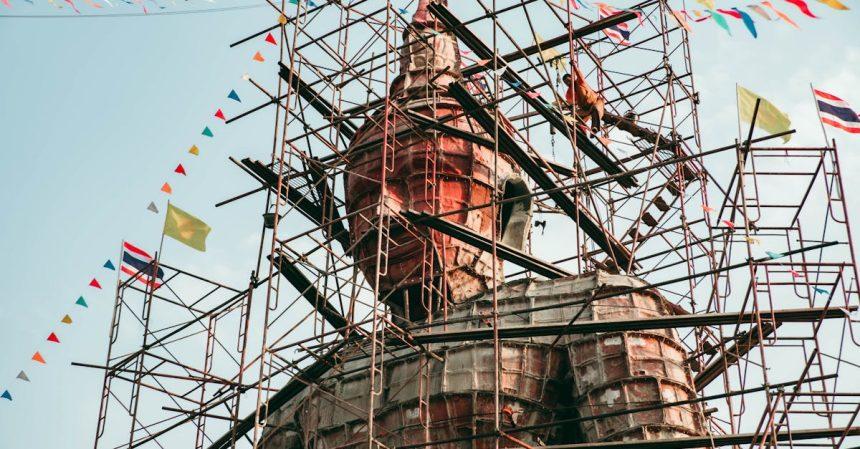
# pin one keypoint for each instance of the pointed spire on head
(423, 15)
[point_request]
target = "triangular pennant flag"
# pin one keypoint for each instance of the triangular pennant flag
(152, 207)
(803, 7)
(774, 255)
(795, 274)
(109, 265)
(166, 188)
(748, 22)
(23, 376)
(820, 290)
(780, 14)
(81, 302)
(707, 208)
(835, 4)
(729, 224)
(760, 11)
(258, 57)
(719, 20)
(753, 240)
(95, 284)
(234, 96)
(220, 114)
(207, 132)
(403, 10)
(53, 338)
(66, 319)
(180, 169)
(38, 358)
(6, 395)
(532, 94)
(194, 150)
(271, 39)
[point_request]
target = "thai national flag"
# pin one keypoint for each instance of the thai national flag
(619, 33)
(137, 263)
(836, 112)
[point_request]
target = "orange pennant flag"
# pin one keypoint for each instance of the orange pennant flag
(258, 57)
(707, 208)
(66, 319)
(220, 114)
(38, 358)
(780, 14)
(166, 188)
(95, 284)
(53, 338)
(194, 150)
(181, 170)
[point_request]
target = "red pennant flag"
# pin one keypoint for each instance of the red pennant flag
(95, 283)
(38, 358)
(729, 224)
(220, 114)
(271, 39)
(53, 338)
(729, 12)
(803, 7)
(181, 170)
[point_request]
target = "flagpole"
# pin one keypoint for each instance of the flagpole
(818, 110)
(738, 110)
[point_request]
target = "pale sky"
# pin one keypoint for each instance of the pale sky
(97, 112)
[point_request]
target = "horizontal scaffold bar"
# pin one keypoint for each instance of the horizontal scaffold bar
(663, 322)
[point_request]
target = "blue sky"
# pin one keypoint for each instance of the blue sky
(97, 112)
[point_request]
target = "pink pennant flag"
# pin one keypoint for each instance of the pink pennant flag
(484, 62)
(795, 274)
(73, 6)
(729, 224)
(6, 2)
(707, 208)
(532, 94)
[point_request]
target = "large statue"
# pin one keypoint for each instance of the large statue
(428, 171)
(445, 398)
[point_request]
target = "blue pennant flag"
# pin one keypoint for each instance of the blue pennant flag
(109, 265)
(234, 96)
(821, 290)
(403, 10)
(6, 395)
(774, 255)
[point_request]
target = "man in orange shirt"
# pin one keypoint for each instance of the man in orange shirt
(589, 104)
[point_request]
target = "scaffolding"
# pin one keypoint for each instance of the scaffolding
(749, 243)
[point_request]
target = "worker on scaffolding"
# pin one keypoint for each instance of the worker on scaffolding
(589, 104)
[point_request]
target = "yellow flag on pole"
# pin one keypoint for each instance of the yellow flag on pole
(769, 118)
(185, 228)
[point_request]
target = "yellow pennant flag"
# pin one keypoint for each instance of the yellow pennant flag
(835, 4)
(769, 118)
(550, 55)
(707, 4)
(185, 228)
